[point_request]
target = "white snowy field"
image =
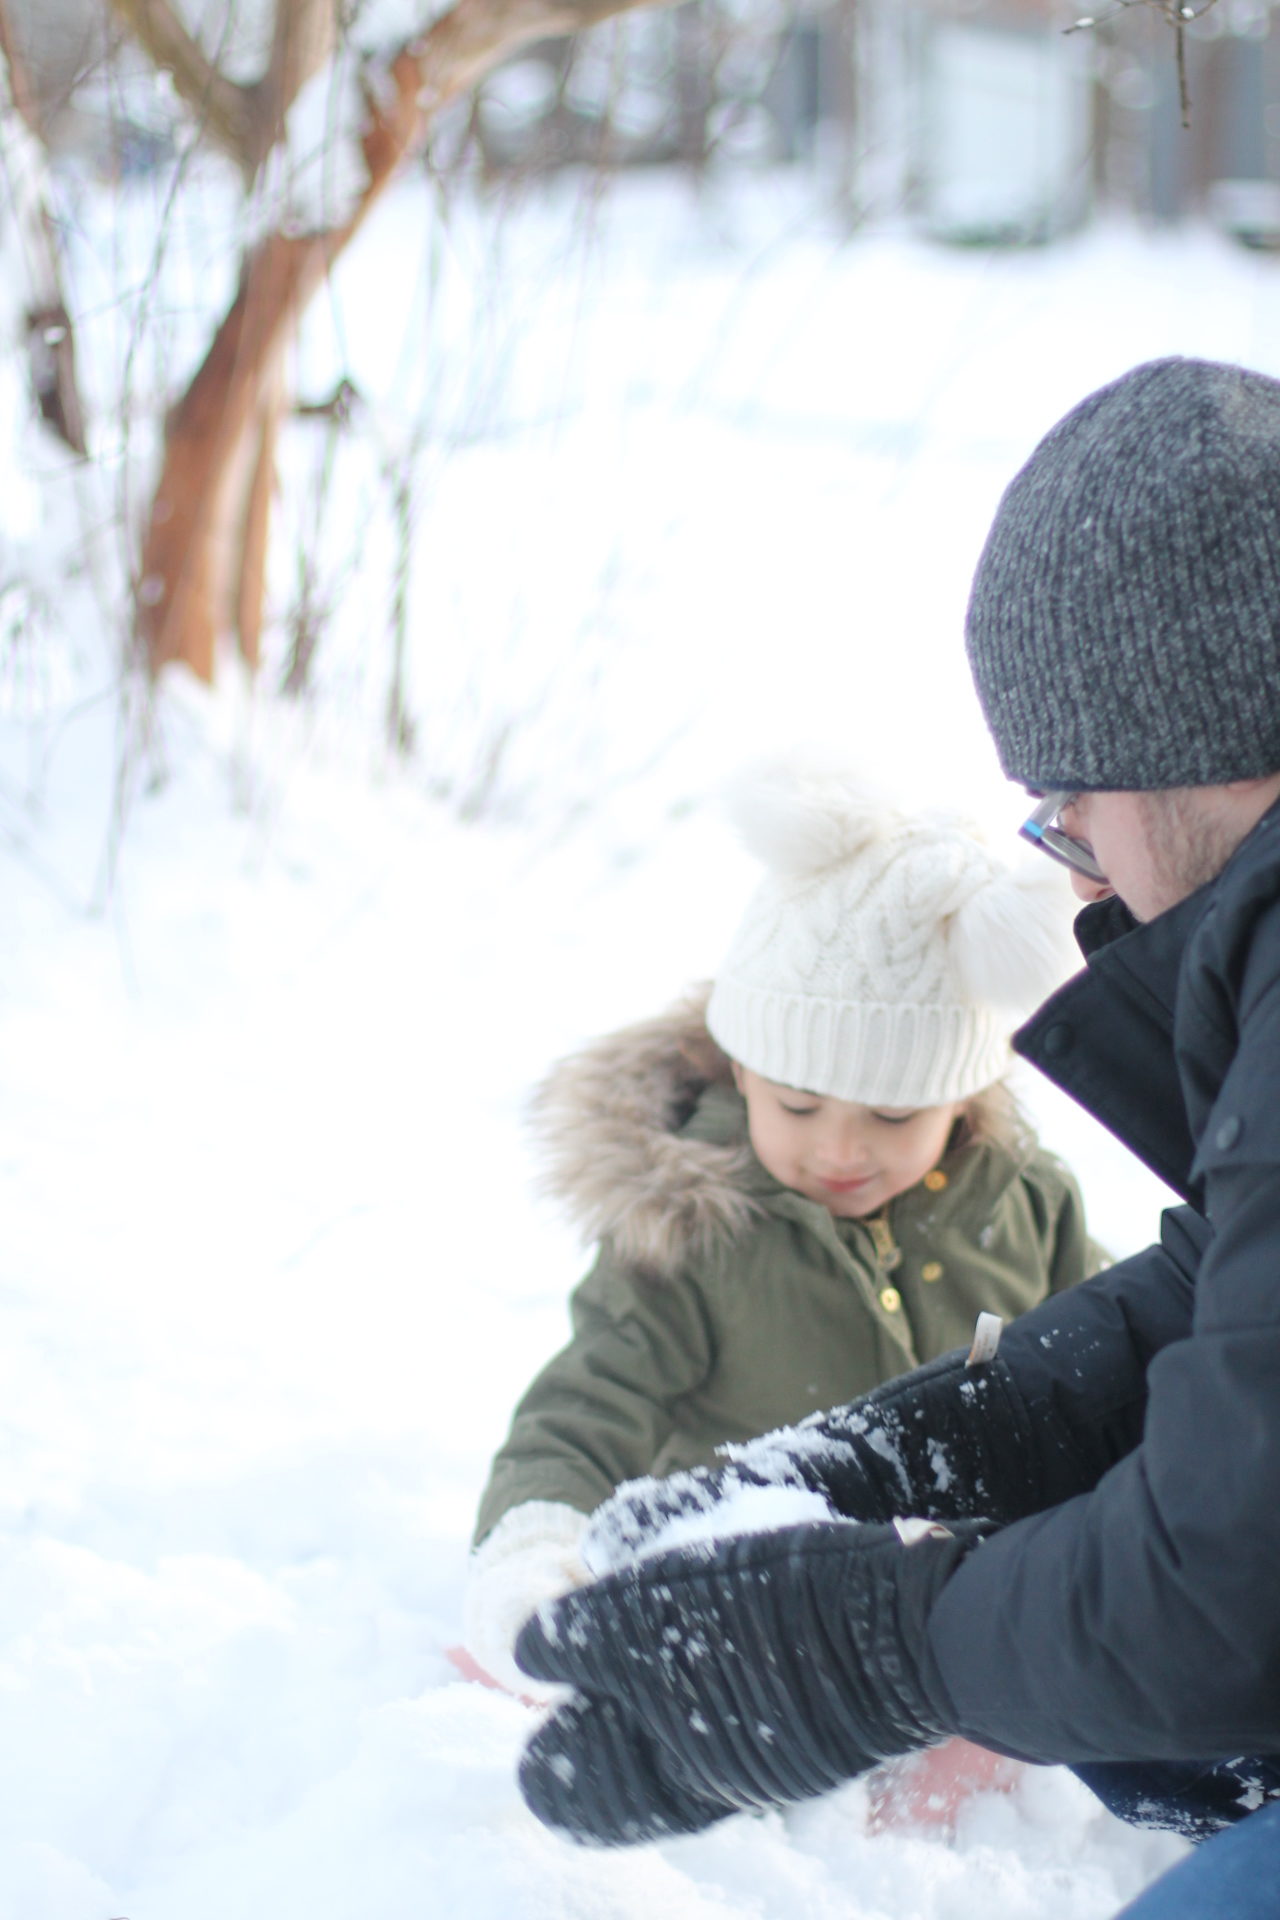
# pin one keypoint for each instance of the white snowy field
(699, 478)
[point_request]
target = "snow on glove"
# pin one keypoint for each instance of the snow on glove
(752, 1673)
(530, 1556)
(951, 1441)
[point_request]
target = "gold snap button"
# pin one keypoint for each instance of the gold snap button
(931, 1270)
(890, 1299)
(936, 1180)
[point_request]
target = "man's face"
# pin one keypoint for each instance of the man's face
(1156, 848)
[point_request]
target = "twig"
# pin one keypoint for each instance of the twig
(1178, 16)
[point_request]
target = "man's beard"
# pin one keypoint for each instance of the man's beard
(1187, 842)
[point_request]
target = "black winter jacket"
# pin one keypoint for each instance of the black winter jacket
(1139, 1617)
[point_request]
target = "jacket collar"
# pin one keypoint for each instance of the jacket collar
(1106, 1037)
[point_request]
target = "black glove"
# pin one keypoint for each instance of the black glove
(950, 1441)
(747, 1673)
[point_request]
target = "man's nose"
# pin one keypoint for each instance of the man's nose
(1090, 890)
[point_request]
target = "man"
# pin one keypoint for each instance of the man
(1069, 1552)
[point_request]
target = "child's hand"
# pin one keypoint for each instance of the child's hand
(470, 1669)
(531, 1556)
(928, 1789)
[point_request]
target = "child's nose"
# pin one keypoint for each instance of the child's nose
(844, 1151)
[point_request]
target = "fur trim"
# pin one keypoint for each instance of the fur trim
(994, 1118)
(606, 1119)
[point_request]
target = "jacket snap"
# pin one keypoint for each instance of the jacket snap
(1229, 1132)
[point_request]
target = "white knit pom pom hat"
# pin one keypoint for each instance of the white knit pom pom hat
(883, 959)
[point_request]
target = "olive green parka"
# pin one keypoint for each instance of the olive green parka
(722, 1304)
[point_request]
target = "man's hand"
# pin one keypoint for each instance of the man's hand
(744, 1674)
(952, 1441)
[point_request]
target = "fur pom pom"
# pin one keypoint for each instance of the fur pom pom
(1011, 938)
(801, 816)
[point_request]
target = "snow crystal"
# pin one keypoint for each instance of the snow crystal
(880, 1443)
(941, 1465)
(746, 1509)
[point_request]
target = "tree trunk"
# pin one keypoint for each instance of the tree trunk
(202, 568)
(213, 496)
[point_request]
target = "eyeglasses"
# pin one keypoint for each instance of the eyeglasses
(1043, 831)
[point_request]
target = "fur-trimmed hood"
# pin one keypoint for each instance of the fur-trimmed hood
(607, 1122)
(611, 1128)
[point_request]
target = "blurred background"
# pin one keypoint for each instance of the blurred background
(283, 275)
(981, 121)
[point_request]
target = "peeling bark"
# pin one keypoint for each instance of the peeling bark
(252, 583)
(192, 567)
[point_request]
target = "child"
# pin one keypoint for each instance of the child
(802, 1186)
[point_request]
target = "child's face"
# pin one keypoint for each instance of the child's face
(850, 1159)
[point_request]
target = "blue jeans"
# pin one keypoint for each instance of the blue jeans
(1234, 1876)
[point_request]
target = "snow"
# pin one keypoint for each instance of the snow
(743, 1509)
(689, 479)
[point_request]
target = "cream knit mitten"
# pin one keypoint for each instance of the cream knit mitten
(530, 1556)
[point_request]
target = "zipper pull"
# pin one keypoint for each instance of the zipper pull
(888, 1252)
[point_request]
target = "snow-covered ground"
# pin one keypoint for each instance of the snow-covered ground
(700, 478)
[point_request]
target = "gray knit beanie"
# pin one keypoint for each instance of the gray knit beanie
(1124, 624)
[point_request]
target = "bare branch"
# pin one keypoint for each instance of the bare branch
(229, 113)
(1179, 15)
(450, 57)
(305, 36)
(195, 578)
(20, 88)
(462, 46)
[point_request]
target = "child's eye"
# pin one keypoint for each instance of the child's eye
(894, 1119)
(800, 1113)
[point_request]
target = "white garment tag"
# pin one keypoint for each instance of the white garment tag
(986, 1338)
(909, 1531)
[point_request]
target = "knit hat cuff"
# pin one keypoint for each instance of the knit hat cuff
(867, 1052)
